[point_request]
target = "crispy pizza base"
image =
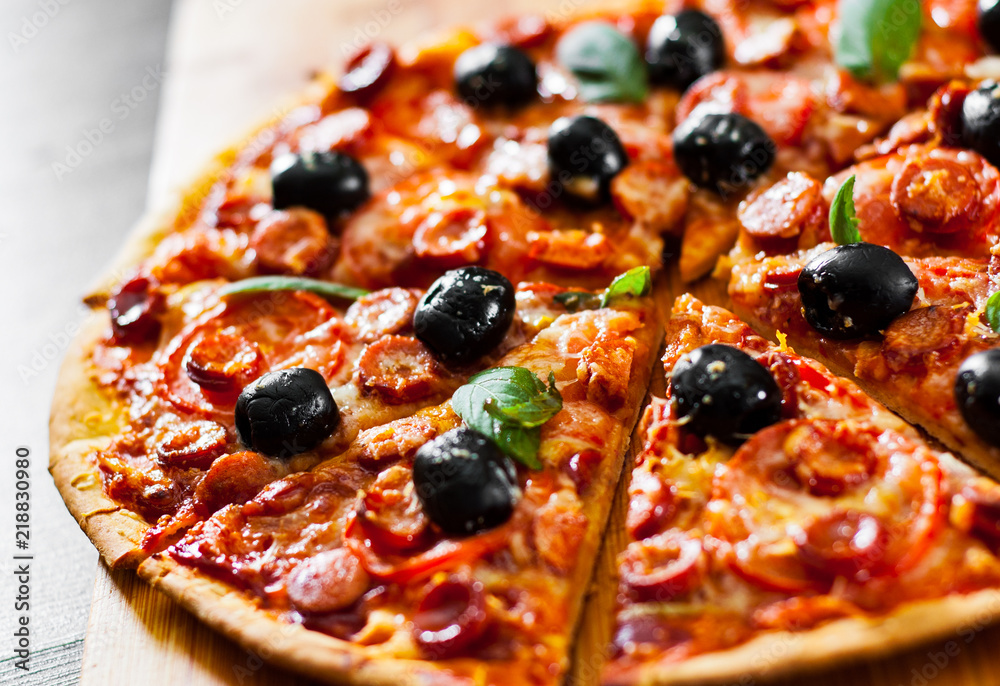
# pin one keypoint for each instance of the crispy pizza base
(835, 644)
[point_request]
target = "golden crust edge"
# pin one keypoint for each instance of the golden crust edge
(844, 640)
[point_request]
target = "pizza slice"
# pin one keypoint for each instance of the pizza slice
(423, 554)
(915, 336)
(779, 519)
(193, 415)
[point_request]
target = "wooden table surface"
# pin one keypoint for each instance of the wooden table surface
(230, 63)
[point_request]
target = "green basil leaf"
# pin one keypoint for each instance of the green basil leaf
(574, 301)
(993, 312)
(635, 283)
(509, 404)
(263, 284)
(877, 36)
(538, 408)
(605, 61)
(843, 220)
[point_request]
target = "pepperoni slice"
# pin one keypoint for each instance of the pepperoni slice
(569, 248)
(452, 237)
(134, 306)
(327, 582)
(450, 616)
(234, 478)
(191, 444)
(387, 311)
(780, 214)
(663, 567)
(368, 70)
(288, 328)
(292, 241)
(391, 515)
(844, 543)
(651, 504)
(937, 194)
(399, 369)
(223, 361)
(875, 499)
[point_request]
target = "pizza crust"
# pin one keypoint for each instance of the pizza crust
(834, 644)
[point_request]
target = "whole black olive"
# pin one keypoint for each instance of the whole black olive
(977, 392)
(331, 183)
(856, 290)
(584, 155)
(286, 412)
(495, 75)
(981, 121)
(721, 391)
(722, 152)
(465, 314)
(684, 47)
(989, 22)
(465, 483)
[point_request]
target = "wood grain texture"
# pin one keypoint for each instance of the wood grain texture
(138, 636)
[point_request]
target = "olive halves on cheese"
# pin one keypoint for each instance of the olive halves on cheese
(585, 154)
(720, 391)
(465, 314)
(977, 392)
(684, 47)
(464, 482)
(330, 183)
(722, 151)
(286, 412)
(856, 290)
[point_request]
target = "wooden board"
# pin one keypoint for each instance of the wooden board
(230, 61)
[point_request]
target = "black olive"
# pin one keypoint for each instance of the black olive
(331, 183)
(721, 391)
(286, 412)
(722, 151)
(684, 47)
(584, 155)
(977, 392)
(981, 121)
(989, 22)
(465, 314)
(493, 74)
(465, 483)
(856, 290)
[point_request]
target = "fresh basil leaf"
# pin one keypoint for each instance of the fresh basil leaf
(605, 61)
(993, 312)
(843, 220)
(262, 284)
(877, 36)
(634, 283)
(574, 301)
(535, 411)
(509, 404)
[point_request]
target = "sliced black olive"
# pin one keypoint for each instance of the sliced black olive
(331, 183)
(856, 290)
(465, 483)
(720, 391)
(286, 412)
(722, 152)
(684, 47)
(977, 392)
(584, 155)
(493, 74)
(465, 314)
(989, 22)
(981, 121)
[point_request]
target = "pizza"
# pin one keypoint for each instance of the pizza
(775, 504)
(362, 397)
